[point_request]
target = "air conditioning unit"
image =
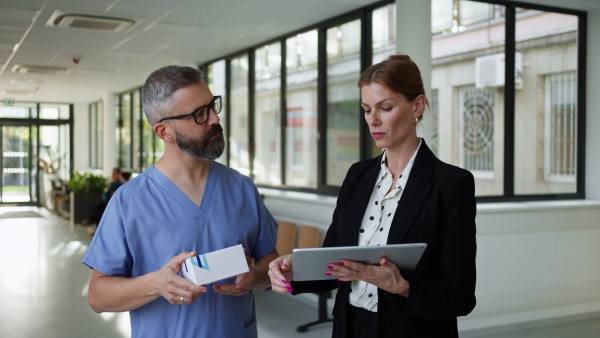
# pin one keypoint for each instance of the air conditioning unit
(21, 69)
(89, 21)
(489, 71)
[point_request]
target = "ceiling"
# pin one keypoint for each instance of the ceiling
(183, 32)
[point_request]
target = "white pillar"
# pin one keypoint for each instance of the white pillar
(413, 37)
(110, 127)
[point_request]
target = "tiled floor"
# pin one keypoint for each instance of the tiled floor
(43, 289)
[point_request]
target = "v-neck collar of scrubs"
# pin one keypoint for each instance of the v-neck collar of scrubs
(178, 195)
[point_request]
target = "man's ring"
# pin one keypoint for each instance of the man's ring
(181, 299)
(356, 273)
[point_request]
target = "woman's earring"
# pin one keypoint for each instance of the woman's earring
(415, 120)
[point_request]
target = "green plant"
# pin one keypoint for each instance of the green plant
(87, 183)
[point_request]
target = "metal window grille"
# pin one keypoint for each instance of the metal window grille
(477, 130)
(561, 126)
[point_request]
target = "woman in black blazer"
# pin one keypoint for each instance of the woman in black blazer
(405, 195)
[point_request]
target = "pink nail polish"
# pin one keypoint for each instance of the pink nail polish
(340, 280)
(385, 261)
(283, 281)
(327, 273)
(341, 263)
(329, 267)
(284, 265)
(291, 290)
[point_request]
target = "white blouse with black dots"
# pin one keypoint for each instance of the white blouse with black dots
(376, 223)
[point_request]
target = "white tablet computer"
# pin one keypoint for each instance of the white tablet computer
(311, 264)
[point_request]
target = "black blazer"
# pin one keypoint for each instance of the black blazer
(437, 207)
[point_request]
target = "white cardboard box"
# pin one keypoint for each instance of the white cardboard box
(215, 266)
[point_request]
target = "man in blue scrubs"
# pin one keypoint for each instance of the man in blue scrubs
(185, 204)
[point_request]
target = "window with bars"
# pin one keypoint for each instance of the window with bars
(477, 111)
(561, 126)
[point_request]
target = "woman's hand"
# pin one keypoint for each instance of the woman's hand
(385, 276)
(280, 272)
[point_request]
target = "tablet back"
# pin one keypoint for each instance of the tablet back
(311, 264)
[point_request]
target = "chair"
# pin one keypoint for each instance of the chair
(308, 237)
(286, 237)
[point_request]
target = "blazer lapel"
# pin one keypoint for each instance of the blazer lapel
(358, 198)
(414, 195)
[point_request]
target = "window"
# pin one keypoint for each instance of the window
(301, 115)
(561, 118)
(343, 100)
(267, 112)
(292, 117)
(239, 151)
(546, 113)
(215, 79)
(477, 113)
(96, 137)
(537, 107)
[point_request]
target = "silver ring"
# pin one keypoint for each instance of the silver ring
(181, 299)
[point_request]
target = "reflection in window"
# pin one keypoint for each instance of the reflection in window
(267, 161)
(343, 106)
(215, 79)
(301, 122)
(238, 137)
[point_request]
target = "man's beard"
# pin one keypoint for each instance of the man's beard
(206, 149)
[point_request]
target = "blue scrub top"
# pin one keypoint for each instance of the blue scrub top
(149, 220)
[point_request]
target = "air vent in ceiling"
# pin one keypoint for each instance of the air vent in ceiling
(39, 70)
(89, 21)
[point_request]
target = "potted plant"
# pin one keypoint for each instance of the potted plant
(85, 188)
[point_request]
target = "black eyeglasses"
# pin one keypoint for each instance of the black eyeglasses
(201, 114)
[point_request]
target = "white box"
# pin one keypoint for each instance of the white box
(215, 266)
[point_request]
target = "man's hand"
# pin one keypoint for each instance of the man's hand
(243, 282)
(174, 288)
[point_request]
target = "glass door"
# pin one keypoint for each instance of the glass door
(19, 154)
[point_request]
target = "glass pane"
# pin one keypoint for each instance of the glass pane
(546, 103)
(16, 164)
(384, 32)
(470, 128)
(136, 130)
(343, 101)
(99, 131)
(442, 15)
(301, 123)
(18, 111)
(92, 139)
(54, 156)
(267, 160)
(216, 83)
(54, 111)
(238, 137)
(471, 12)
(126, 130)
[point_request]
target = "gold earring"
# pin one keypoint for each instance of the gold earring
(415, 120)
